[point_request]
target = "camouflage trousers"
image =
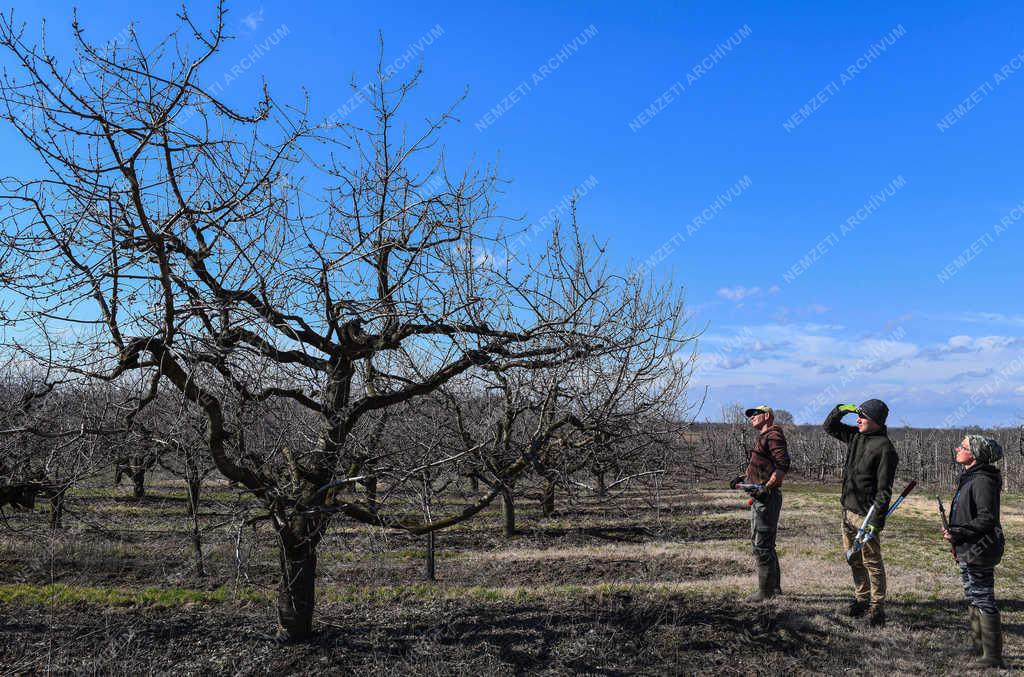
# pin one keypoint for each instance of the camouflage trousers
(764, 525)
(867, 566)
(979, 587)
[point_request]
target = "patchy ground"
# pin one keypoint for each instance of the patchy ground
(600, 589)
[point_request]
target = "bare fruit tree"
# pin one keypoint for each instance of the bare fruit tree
(56, 434)
(326, 273)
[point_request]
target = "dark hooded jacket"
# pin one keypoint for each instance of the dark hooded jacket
(974, 517)
(869, 469)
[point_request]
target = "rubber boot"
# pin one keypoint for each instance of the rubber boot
(777, 581)
(974, 648)
(765, 589)
(991, 641)
(876, 616)
(857, 608)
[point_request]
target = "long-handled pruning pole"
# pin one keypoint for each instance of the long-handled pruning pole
(859, 538)
(945, 525)
(864, 534)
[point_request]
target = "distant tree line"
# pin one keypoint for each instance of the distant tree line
(926, 454)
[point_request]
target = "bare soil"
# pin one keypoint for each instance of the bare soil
(598, 589)
(615, 634)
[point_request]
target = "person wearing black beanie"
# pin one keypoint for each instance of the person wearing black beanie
(868, 474)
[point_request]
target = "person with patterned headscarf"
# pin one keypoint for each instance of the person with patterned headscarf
(977, 539)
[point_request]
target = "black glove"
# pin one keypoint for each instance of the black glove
(736, 481)
(760, 495)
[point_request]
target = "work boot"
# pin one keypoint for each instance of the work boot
(765, 589)
(991, 641)
(974, 648)
(857, 608)
(876, 617)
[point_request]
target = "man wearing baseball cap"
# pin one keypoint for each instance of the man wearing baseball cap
(769, 463)
(868, 474)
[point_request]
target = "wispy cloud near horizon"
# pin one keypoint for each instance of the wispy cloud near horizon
(807, 368)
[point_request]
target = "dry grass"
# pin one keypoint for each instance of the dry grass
(600, 589)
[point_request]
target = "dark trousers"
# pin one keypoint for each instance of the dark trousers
(764, 524)
(979, 587)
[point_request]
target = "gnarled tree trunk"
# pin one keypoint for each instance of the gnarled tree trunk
(508, 513)
(135, 468)
(57, 509)
(370, 489)
(193, 485)
(297, 591)
(547, 499)
(139, 483)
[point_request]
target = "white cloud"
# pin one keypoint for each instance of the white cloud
(816, 365)
(997, 342)
(967, 344)
(815, 327)
(738, 293)
(976, 317)
(734, 362)
(957, 342)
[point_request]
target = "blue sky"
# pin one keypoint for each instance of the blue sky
(829, 274)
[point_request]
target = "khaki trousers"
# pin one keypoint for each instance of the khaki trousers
(866, 566)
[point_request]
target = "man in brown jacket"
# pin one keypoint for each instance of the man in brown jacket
(769, 463)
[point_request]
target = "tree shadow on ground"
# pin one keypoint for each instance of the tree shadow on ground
(617, 635)
(695, 531)
(605, 634)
